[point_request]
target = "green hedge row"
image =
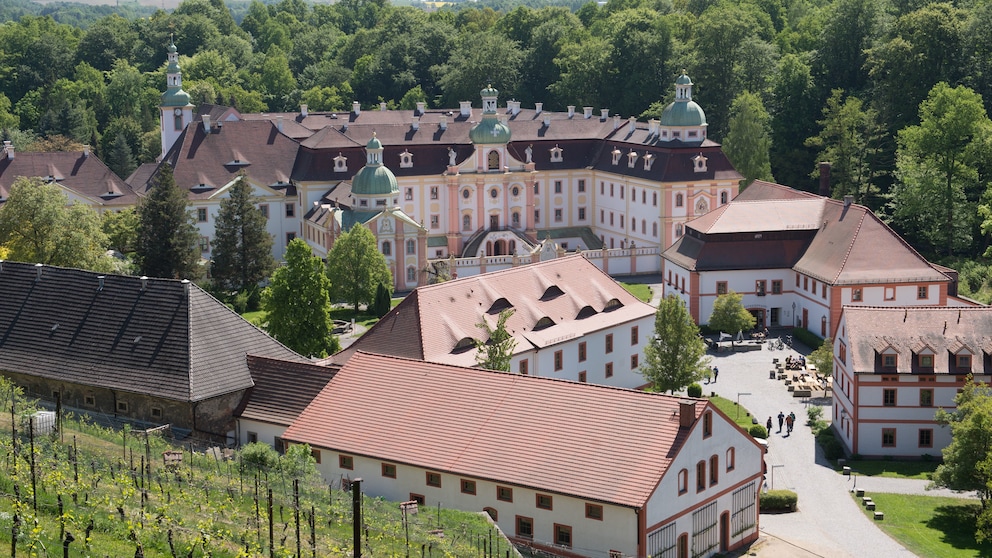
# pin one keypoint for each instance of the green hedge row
(779, 500)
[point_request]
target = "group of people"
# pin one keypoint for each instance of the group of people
(789, 421)
(798, 363)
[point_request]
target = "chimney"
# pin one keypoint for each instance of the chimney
(587, 112)
(86, 151)
(466, 108)
(206, 123)
(144, 283)
(687, 413)
(514, 107)
(1, 269)
(356, 108)
(571, 111)
(185, 283)
(415, 123)
(547, 120)
(604, 114)
(633, 124)
(538, 107)
(8, 149)
(825, 179)
(100, 279)
(444, 122)
(421, 107)
(653, 126)
(616, 121)
(304, 111)
(382, 106)
(38, 267)
(848, 200)
(279, 122)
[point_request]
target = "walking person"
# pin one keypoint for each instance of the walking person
(716, 372)
(768, 425)
(789, 421)
(781, 419)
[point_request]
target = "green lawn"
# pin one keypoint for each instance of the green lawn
(337, 313)
(639, 290)
(893, 469)
(931, 526)
(742, 416)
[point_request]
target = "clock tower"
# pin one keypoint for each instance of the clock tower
(175, 111)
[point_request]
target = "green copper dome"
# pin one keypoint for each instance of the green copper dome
(374, 143)
(683, 113)
(374, 180)
(683, 79)
(490, 131)
(175, 98)
(489, 92)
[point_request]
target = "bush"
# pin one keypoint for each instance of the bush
(757, 431)
(807, 337)
(813, 414)
(259, 456)
(240, 302)
(778, 500)
(832, 448)
(694, 390)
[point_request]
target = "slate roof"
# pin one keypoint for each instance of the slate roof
(77, 171)
(282, 388)
(945, 330)
(433, 320)
(593, 442)
(770, 226)
(169, 339)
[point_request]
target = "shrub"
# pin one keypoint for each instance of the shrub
(813, 414)
(758, 431)
(694, 390)
(259, 456)
(240, 302)
(832, 448)
(807, 337)
(778, 500)
(298, 462)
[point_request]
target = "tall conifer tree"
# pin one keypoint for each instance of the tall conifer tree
(242, 246)
(167, 238)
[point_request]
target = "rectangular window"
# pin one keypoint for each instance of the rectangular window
(434, 479)
(418, 498)
(558, 361)
(654, 199)
(504, 493)
(204, 243)
(634, 336)
(537, 188)
(201, 214)
(582, 214)
(621, 191)
(921, 292)
(797, 280)
(346, 462)
(926, 361)
(700, 476)
(525, 527)
(290, 209)
(122, 406)
(759, 287)
(714, 470)
(315, 453)
(611, 218)
(582, 351)
(433, 192)
(889, 361)
(890, 293)
(594, 511)
(582, 377)
(582, 185)
(634, 361)
(523, 367)
(264, 208)
(557, 186)
(888, 437)
(435, 221)
(558, 216)
(777, 286)
(609, 369)
(290, 236)
(252, 437)
(707, 425)
(926, 438)
(89, 400)
(926, 398)
(468, 486)
(563, 535)
(609, 343)
(611, 189)
(963, 361)
(408, 195)
(537, 215)
(721, 287)
(805, 283)
(889, 398)
(544, 501)
(389, 470)
(856, 295)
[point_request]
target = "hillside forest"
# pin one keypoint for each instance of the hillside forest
(894, 93)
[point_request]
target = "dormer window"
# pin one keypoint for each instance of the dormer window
(648, 161)
(556, 154)
(699, 163)
(963, 362)
(237, 163)
(406, 159)
(631, 159)
(340, 163)
(926, 361)
(380, 203)
(890, 360)
(363, 203)
(616, 156)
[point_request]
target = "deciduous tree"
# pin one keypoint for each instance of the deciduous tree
(675, 356)
(749, 140)
(823, 357)
(298, 304)
(242, 247)
(167, 239)
(356, 267)
(730, 315)
(496, 351)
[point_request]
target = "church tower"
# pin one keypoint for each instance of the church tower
(175, 110)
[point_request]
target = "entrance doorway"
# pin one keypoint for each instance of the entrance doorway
(724, 531)
(775, 317)
(759, 316)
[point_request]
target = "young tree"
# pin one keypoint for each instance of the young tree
(382, 301)
(968, 458)
(749, 139)
(242, 255)
(675, 356)
(120, 159)
(356, 267)
(121, 228)
(730, 315)
(496, 351)
(167, 238)
(298, 304)
(823, 357)
(37, 224)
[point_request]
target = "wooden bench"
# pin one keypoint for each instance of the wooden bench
(802, 393)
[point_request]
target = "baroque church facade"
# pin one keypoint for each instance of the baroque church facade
(442, 184)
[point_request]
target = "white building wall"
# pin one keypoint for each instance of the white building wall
(592, 537)
(266, 431)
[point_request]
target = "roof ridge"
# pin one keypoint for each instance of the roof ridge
(850, 245)
(527, 267)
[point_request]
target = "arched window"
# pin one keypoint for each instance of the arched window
(730, 459)
(411, 247)
(178, 122)
(683, 481)
(515, 219)
(466, 222)
(387, 248)
(723, 198)
(493, 160)
(411, 274)
(679, 200)
(654, 229)
(644, 226)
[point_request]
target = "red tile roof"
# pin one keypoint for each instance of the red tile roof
(81, 173)
(945, 330)
(430, 322)
(600, 443)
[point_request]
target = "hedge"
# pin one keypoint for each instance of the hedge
(694, 390)
(779, 500)
(758, 431)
